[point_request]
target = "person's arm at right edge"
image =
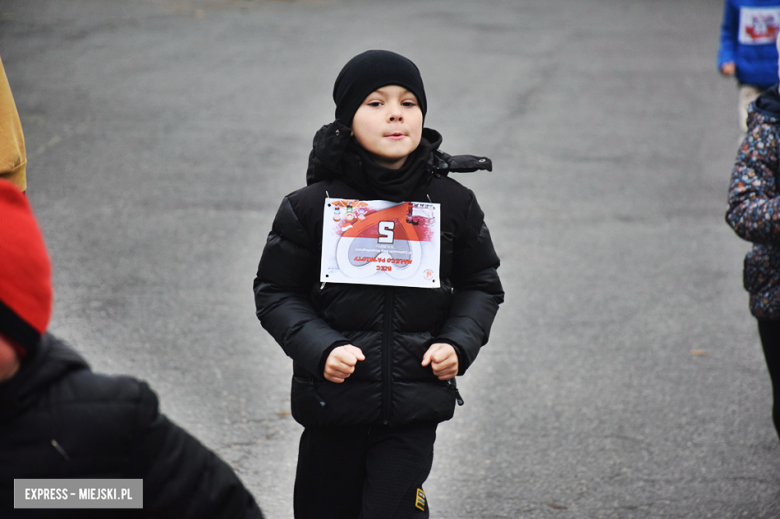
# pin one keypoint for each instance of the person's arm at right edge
(754, 205)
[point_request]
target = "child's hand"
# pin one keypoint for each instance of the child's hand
(728, 69)
(341, 363)
(443, 359)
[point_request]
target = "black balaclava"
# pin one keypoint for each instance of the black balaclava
(369, 71)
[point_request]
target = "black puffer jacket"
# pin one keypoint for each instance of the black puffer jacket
(59, 420)
(393, 326)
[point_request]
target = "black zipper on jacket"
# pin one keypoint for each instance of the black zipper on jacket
(454, 387)
(387, 356)
(320, 400)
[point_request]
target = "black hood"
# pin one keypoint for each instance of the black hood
(768, 103)
(330, 156)
(54, 359)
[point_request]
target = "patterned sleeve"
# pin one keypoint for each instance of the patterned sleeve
(754, 206)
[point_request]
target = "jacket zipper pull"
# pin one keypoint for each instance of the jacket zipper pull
(457, 393)
(58, 448)
(321, 401)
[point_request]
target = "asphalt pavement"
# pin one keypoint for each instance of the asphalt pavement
(624, 377)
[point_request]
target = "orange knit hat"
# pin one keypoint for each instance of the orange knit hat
(25, 273)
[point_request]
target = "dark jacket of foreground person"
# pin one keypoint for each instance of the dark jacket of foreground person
(58, 419)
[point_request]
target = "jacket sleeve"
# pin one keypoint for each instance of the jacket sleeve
(754, 207)
(728, 34)
(289, 268)
(181, 477)
(477, 290)
(13, 157)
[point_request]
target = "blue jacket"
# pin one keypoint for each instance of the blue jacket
(748, 38)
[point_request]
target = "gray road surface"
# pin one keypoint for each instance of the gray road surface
(162, 135)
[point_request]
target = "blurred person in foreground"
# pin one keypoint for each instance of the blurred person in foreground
(59, 420)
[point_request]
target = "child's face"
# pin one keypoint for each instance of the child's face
(388, 125)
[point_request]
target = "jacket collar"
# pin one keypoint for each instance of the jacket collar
(53, 360)
(332, 140)
(768, 103)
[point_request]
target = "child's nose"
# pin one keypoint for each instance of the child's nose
(395, 114)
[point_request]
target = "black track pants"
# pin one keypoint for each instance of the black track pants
(770, 340)
(364, 472)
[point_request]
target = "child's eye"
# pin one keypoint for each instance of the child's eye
(409, 103)
(375, 104)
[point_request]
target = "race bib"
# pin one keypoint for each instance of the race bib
(758, 25)
(376, 242)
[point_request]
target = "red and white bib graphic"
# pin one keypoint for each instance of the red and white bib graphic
(375, 242)
(758, 25)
